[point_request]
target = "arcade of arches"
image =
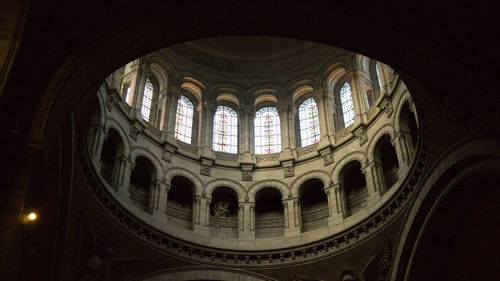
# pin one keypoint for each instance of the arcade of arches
(239, 157)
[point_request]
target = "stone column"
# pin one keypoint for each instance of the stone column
(246, 210)
(201, 214)
(321, 114)
(207, 129)
(403, 144)
(246, 130)
(124, 178)
(340, 199)
(292, 111)
(96, 142)
(334, 206)
(285, 133)
(140, 81)
(374, 180)
(292, 216)
(328, 101)
(357, 92)
(383, 79)
(172, 111)
(157, 201)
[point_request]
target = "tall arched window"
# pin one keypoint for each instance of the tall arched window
(378, 76)
(267, 131)
(225, 130)
(309, 122)
(184, 120)
(347, 107)
(147, 99)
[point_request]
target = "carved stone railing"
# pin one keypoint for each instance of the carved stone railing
(230, 157)
(153, 130)
(342, 134)
(267, 157)
(301, 151)
(187, 147)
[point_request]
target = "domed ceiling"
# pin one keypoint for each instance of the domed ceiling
(253, 56)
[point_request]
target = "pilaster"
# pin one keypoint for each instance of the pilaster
(246, 220)
(335, 211)
(291, 209)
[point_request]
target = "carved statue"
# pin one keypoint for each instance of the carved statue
(221, 208)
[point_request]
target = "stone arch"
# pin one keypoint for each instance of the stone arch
(353, 156)
(204, 273)
(139, 151)
(314, 174)
(234, 185)
(386, 129)
(405, 97)
(460, 162)
(176, 171)
(279, 185)
(112, 123)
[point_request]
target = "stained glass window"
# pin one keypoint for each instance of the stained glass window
(309, 122)
(267, 131)
(225, 130)
(347, 107)
(147, 99)
(184, 120)
(378, 76)
(127, 94)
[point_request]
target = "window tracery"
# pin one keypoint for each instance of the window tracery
(267, 131)
(309, 122)
(347, 106)
(147, 100)
(225, 134)
(184, 120)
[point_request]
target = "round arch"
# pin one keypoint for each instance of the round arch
(176, 171)
(113, 124)
(387, 129)
(279, 185)
(234, 185)
(353, 156)
(314, 174)
(139, 151)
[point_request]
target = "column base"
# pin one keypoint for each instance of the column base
(246, 235)
(292, 231)
(201, 229)
(336, 220)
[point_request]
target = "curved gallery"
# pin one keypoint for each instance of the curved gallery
(238, 152)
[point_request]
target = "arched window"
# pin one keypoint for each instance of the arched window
(267, 131)
(127, 94)
(225, 130)
(378, 76)
(147, 100)
(309, 122)
(347, 107)
(184, 120)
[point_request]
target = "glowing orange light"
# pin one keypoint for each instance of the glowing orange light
(32, 216)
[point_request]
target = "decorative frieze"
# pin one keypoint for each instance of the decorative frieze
(327, 155)
(288, 168)
(167, 152)
(110, 101)
(267, 157)
(360, 133)
(307, 149)
(153, 130)
(135, 130)
(372, 112)
(205, 165)
(230, 157)
(247, 172)
(342, 134)
(187, 147)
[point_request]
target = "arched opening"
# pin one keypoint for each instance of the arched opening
(180, 203)
(112, 150)
(313, 205)
(224, 213)
(385, 155)
(269, 216)
(353, 183)
(142, 177)
(408, 127)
